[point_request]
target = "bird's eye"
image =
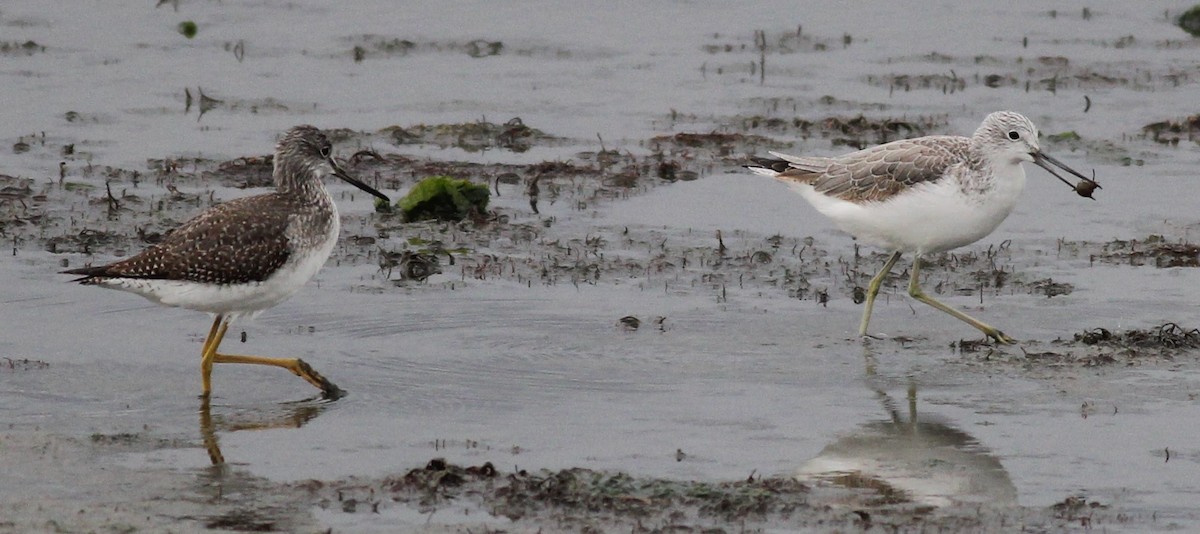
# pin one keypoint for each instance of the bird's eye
(326, 150)
(1012, 134)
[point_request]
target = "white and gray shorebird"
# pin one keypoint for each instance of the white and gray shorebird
(245, 255)
(924, 195)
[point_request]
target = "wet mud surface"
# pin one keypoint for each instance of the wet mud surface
(635, 335)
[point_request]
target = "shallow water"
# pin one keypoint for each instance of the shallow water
(542, 376)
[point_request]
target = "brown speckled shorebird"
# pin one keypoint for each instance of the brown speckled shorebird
(924, 196)
(246, 255)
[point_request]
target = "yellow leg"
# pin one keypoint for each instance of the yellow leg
(914, 289)
(215, 334)
(297, 366)
(873, 290)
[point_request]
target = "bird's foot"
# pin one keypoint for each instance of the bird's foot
(329, 390)
(1000, 338)
(867, 338)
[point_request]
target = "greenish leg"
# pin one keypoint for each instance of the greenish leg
(915, 291)
(873, 290)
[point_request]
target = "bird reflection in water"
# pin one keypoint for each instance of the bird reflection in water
(919, 459)
(292, 415)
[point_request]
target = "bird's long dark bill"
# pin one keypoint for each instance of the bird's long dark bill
(1044, 161)
(337, 171)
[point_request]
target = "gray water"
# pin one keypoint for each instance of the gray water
(542, 376)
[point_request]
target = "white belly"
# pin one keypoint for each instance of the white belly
(930, 218)
(234, 300)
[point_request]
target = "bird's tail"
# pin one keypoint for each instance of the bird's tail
(767, 166)
(87, 274)
(784, 162)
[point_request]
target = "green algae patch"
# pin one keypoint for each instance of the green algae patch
(1189, 21)
(1064, 137)
(443, 198)
(187, 29)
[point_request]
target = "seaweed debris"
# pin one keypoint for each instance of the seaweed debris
(513, 135)
(1170, 132)
(1154, 249)
(445, 199)
(1165, 337)
(577, 499)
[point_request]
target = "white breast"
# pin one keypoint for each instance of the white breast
(931, 217)
(234, 300)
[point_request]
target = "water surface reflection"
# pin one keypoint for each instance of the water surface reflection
(911, 457)
(287, 415)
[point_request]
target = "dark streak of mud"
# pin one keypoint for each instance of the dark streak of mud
(858, 131)
(781, 43)
(1097, 347)
(1172, 131)
(513, 135)
(1165, 339)
(23, 48)
(583, 500)
(1153, 250)
(371, 46)
(22, 364)
(1045, 73)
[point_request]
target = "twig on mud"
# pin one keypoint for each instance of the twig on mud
(532, 190)
(760, 41)
(363, 154)
(113, 205)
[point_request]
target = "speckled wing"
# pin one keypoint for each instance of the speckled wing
(879, 172)
(237, 242)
